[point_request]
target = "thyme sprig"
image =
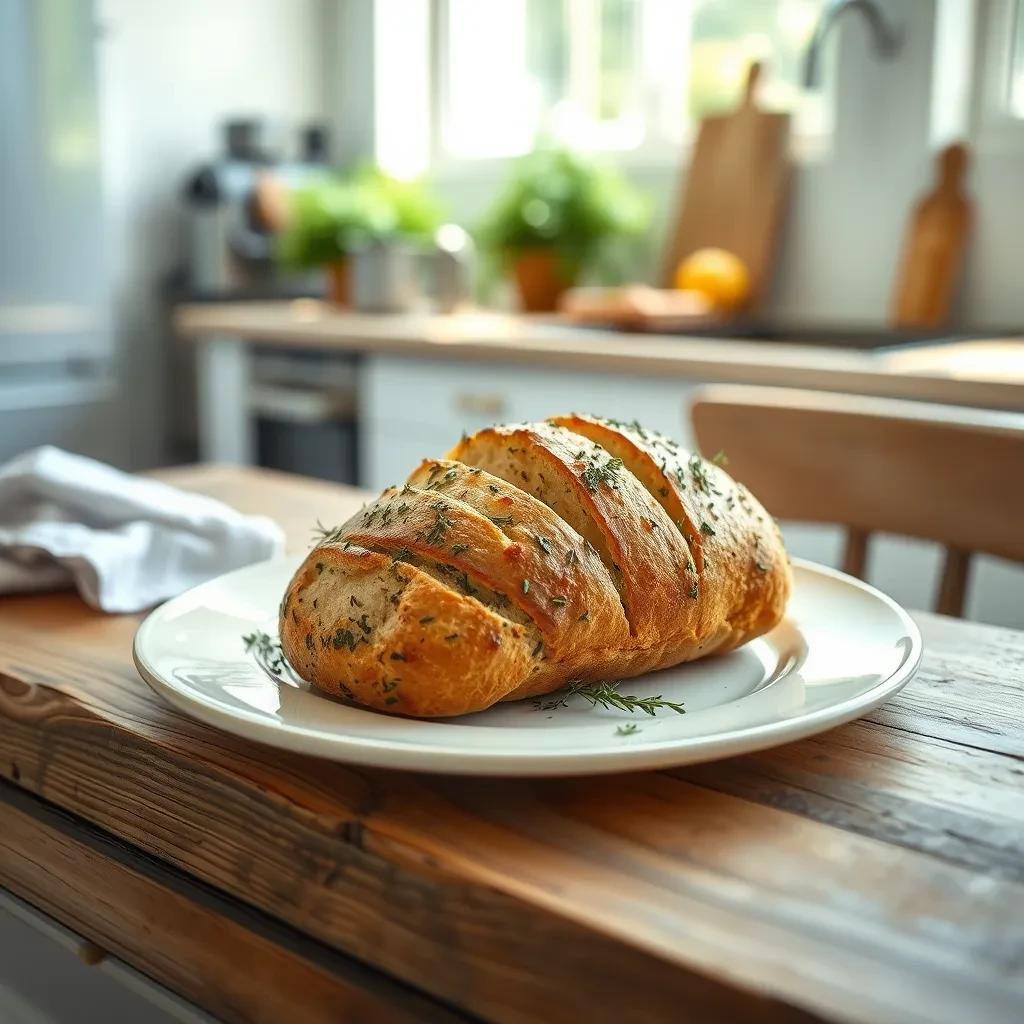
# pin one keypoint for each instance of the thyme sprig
(327, 534)
(605, 695)
(267, 652)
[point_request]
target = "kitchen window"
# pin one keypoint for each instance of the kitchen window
(1015, 78)
(998, 84)
(625, 76)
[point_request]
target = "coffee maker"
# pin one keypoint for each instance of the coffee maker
(236, 205)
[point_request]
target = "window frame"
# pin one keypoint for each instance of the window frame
(994, 126)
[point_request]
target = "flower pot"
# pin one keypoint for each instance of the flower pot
(338, 287)
(542, 280)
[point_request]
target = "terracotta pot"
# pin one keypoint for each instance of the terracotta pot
(338, 286)
(542, 280)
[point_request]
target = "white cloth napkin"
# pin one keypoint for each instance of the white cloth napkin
(125, 542)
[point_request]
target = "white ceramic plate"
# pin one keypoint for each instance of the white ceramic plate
(843, 649)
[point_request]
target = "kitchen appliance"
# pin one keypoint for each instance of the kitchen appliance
(236, 205)
(304, 407)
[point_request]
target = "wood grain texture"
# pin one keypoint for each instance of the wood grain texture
(869, 874)
(876, 465)
(234, 963)
(735, 189)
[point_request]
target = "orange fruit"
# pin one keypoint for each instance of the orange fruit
(717, 274)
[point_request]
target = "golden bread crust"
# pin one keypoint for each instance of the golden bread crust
(745, 577)
(422, 648)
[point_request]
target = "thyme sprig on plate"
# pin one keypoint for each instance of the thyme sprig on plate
(605, 695)
(267, 652)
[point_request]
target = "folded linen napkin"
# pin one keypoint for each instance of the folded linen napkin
(125, 542)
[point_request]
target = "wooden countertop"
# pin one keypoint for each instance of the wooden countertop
(984, 373)
(874, 873)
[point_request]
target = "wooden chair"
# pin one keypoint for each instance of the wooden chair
(954, 476)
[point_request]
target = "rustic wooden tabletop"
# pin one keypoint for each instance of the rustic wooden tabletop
(874, 873)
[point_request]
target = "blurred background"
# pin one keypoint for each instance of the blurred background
(227, 224)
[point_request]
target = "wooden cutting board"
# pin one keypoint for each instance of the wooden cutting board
(933, 248)
(734, 194)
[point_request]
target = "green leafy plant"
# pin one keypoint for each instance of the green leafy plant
(335, 214)
(562, 201)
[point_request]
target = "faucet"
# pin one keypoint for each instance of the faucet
(887, 38)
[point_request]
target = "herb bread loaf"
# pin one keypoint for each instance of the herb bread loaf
(534, 555)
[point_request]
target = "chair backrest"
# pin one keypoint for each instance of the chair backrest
(950, 475)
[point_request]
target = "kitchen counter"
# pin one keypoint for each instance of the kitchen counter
(983, 373)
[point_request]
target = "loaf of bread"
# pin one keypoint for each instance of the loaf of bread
(534, 555)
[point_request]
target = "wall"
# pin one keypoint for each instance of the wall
(992, 294)
(169, 73)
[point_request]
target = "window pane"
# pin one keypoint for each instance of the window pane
(617, 71)
(1017, 63)
(611, 74)
(492, 102)
(547, 55)
(599, 97)
(726, 37)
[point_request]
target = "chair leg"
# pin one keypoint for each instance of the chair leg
(953, 584)
(855, 555)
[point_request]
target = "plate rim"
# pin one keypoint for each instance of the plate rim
(402, 755)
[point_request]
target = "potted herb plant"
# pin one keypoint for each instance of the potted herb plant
(560, 216)
(332, 216)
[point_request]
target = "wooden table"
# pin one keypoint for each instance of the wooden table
(874, 873)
